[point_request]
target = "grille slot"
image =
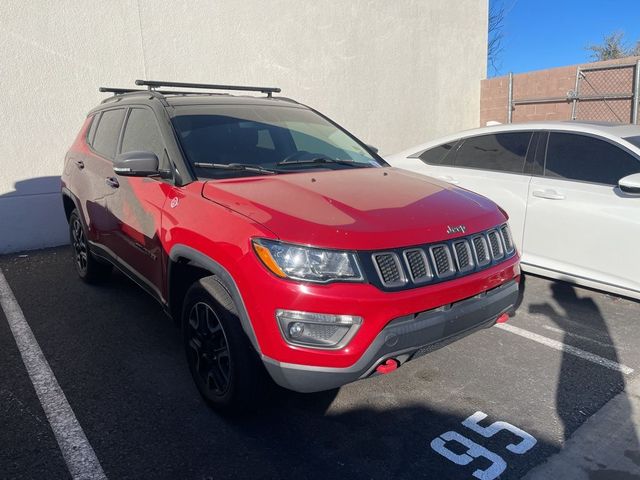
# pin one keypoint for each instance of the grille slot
(389, 269)
(482, 250)
(419, 269)
(506, 236)
(464, 259)
(432, 263)
(442, 260)
(497, 252)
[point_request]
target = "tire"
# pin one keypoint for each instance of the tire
(89, 268)
(225, 367)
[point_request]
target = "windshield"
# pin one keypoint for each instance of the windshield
(635, 141)
(277, 138)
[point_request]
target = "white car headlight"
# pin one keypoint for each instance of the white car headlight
(307, 263)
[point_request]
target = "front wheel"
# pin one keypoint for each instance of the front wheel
(224, 366)
(89, 269)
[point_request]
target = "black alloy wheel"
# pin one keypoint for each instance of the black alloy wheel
(208, 350)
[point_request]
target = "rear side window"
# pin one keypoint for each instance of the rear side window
(141, 133)
(587, 159)
(440, 155)
(503, 152)
(107, 132)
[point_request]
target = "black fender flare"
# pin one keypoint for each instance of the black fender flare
(224, 287)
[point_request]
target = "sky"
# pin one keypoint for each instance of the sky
(541, 34)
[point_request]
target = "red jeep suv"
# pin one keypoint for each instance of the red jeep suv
(278, 240)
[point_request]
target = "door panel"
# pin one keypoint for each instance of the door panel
(584, 230)
(579, 223)
(136, 205)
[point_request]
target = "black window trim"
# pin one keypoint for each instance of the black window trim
(584, 134)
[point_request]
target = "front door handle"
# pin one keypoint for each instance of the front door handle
(548, 194)
(80, 164)
(449, 179)
(112, 182)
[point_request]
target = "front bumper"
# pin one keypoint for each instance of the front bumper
(403, 339)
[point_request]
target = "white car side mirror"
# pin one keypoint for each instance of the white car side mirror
(630, 184)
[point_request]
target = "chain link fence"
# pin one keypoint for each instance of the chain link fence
(606, 93)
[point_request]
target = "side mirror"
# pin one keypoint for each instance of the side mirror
(371, 147)
(136, 164)
(630, 184)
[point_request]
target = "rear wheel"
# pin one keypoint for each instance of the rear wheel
(224, 366)
(89, 269)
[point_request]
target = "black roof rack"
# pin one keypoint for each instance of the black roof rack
(119, 91)
(157, 84)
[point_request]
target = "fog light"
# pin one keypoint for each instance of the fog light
(319, 330)
(296, 329)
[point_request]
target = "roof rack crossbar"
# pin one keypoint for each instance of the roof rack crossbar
(157, 84)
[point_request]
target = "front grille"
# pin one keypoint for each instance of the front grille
(496, 245)
(408, 268)
(389, 269)
(482, 251)
(463, 255)
(418, 265)
(442, 260)
(506, 236)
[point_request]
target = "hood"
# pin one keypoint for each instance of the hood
(355, 209)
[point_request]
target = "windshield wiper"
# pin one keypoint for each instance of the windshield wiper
(236, 166)
(322, 159)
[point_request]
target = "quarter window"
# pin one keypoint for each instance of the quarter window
(108, 132)
(587, 159)
(440, 155)
(141, 133)
(92, 128)
(503, 152)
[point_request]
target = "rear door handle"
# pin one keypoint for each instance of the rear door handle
(80, 164)
(112, 182)
(449, 179)
(548, 194)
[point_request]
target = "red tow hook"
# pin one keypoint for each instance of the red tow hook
(388, 366)
(503, 318)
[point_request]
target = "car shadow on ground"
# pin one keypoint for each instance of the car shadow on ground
(572, 399)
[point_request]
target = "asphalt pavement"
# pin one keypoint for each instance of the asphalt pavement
(500, 403)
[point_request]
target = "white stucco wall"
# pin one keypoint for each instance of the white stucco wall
(394, 73)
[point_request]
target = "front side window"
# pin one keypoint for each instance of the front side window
(503, 152)
(141, 133)
(281, 139)
(108, 132)
(587, 159)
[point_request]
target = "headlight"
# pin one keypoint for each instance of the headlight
(306, 263)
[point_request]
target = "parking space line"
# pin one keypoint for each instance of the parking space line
(563, 347)
(581, 337)
(78, 454)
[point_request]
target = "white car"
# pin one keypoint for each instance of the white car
(571, 189)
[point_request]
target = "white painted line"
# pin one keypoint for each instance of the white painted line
(579, 337)
(591, 357)
(80, 458)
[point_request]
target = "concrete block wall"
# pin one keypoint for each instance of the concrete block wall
(394, 73)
